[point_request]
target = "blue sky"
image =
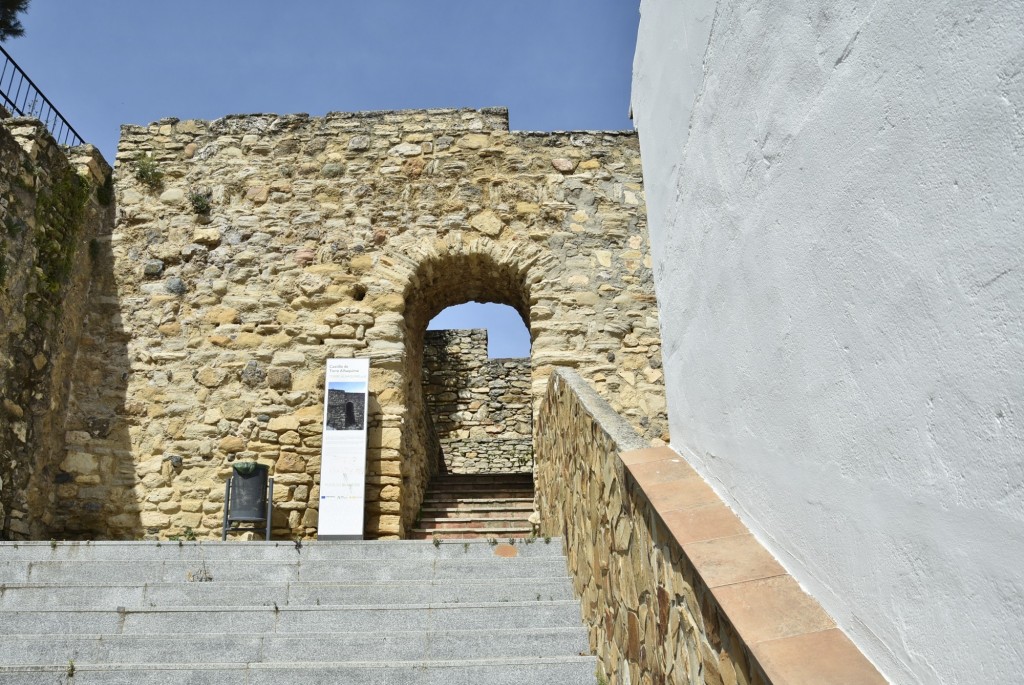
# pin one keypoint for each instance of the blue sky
(347, 387)
(556, 64)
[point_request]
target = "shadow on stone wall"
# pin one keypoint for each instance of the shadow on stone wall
(55, 258)
(95, 485)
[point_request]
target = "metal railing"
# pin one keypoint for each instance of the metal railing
(20, 95)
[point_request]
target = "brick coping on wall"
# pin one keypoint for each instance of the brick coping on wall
(792, 637)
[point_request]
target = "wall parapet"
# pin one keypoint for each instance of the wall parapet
(674, 587)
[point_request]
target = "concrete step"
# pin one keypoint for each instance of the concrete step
(263, 551)
(476, 495)
(27, 597)
(348, 570)
(441, 486)
(479, 533)
(294, 620)
(478, 505)
(441, 513)
(488, 519)
(485, 487)
(518, 479)
(447, 612)
(565, 670)
(476, 480)
(200, 648)
(477, 502)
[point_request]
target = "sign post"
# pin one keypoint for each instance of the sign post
(343, 454)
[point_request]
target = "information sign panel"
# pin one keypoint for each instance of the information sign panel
(343, 454)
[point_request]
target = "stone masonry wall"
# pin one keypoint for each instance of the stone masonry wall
(55, 212)
(250, 249)
(482, 408)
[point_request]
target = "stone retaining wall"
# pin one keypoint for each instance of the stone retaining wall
(56, 214)
(482, 408)
(673, 586)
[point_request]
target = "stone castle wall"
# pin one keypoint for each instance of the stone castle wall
(56, 217)
(263, 245)
(482, 408)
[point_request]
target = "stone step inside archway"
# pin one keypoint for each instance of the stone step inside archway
(473, 506)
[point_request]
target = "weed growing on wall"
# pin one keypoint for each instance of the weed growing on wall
(200, 202)
(147, 173)
(60, 214)
(14, 226)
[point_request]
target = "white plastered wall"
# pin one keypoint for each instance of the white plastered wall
(836, 200)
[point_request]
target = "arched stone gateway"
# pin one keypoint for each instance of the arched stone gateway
(337, 237)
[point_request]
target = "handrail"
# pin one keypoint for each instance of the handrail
(19, 93)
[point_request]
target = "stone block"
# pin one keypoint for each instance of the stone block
(221, 315)
(154, 519)
(406, 150)
(473, 141)
(487, 222)
(289, 358)
(566, 166)
(279, 378)
(172, 196)
(389, 493)
(290, 438)
(80, 462)
(292, 479)
(311, 518)
(209, 237)
(288, 422)
(235, 410)
(231, 444)
(211, 377)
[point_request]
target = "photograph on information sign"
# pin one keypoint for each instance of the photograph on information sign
(346, 406)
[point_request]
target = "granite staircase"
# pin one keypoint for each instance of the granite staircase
(474, 506)
(255, 613)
